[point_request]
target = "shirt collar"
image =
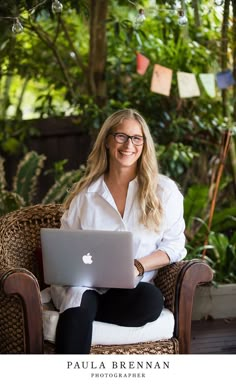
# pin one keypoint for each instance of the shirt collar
(99, 185)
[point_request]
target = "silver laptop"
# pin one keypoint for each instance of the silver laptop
(90, 258)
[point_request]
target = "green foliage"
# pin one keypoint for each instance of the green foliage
(224, 220)
(195, 204)
(222, 257)
(175, 159)
(221, 240)
(188, 131)
(2, 175)
(58, 169)
(13, 135)
(59, 190)
(10, 201)
(26, 181)
(24, 185)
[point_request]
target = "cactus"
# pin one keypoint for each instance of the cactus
(2, 175)
(9, 201)
(58, 191)
(25, 183)
(28, 171)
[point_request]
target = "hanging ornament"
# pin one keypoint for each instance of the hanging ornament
(219, 2)
(178, 4)
(72, 55)
(182, 18)
(140, 17)
(17, 26)
(57, 6)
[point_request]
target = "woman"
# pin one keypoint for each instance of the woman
(121, 190)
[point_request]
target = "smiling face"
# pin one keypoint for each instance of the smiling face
(125, 155)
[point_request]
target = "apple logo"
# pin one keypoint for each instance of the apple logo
(87, 259)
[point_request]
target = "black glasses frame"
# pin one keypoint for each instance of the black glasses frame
(127, 138)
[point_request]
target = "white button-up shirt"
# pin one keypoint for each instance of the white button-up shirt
(95, 208)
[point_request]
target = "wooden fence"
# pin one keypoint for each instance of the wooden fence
(58, 139)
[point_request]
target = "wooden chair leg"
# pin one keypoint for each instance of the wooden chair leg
(20, 282)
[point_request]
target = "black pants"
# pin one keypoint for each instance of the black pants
(126, 307)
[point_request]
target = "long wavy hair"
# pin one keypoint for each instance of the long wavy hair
(147, 168)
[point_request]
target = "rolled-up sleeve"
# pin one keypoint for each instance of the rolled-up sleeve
(173, 240)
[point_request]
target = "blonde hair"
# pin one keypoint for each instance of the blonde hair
(147, 168)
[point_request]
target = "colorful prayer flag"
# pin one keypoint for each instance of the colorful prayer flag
(208, 83)
(161, 80)
(142, 63)
(187, 84)
(224, 79)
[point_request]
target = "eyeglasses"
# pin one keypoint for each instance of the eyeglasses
(122, 138)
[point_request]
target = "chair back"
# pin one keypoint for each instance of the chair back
(20, 236)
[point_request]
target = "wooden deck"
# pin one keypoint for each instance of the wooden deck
(214, 336)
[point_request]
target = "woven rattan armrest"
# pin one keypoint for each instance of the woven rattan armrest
(21, 310)
(178, 282)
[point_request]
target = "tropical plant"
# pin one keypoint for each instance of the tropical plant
(175, 159)
(25, 183)
(222, 257)
(220, 248)
(63, 182)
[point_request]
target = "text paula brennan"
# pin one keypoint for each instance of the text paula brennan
(119, 365)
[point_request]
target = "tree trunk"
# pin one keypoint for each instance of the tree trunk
(197, 19)
(98, 51)
(234, 54)
(232, 145)
(224, 53)
(224, 65)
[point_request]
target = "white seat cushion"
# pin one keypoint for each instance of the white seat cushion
(110, 334)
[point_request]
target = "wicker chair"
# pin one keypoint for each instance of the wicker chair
(21, 329)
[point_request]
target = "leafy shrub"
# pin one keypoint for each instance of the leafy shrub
(217, 246)
(26, 179)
